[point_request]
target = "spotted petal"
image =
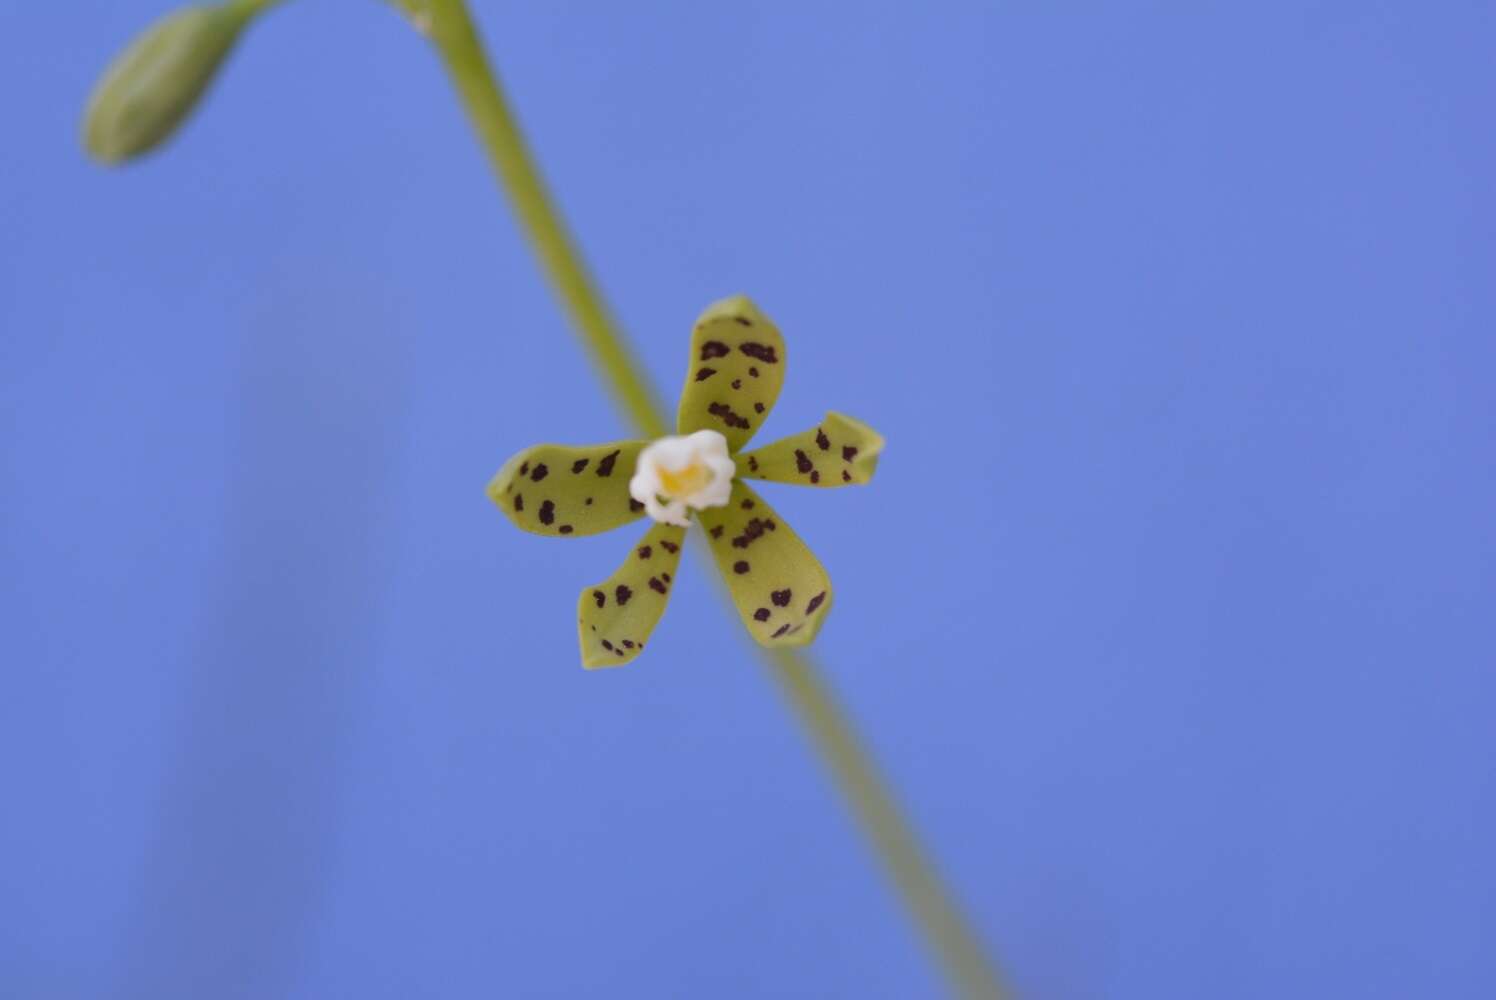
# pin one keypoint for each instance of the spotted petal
(839, 451)
(780, 588)
(737, 367)
(616, 616)
(553, 489)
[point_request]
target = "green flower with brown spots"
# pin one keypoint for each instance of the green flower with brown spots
(781, 590)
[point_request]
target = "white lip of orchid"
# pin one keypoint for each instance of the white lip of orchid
(677, 473)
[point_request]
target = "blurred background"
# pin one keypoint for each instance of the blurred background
(1170, 613)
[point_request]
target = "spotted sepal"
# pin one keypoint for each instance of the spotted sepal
(780, 588)
(839, 451)
(554, 489)
(614, 618)
(736, 369)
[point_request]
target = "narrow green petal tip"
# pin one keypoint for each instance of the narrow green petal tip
(616, 617)
(735, 371)
(781, 590)
(839, 451)
(152, 87)
(554, 489)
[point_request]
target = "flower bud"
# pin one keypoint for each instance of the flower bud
(152, 87)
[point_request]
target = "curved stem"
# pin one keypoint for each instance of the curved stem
(936, 914)
(451, 30)
(249, 8)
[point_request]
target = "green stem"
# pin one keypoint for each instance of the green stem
(935, 912)
(451, 30)
(249, 8)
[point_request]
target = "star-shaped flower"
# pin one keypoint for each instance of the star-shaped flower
(780, 588)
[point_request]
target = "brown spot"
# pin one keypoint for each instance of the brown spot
(747, 503)
(822, 441)
(656, 585)
(524, 469)
(846, 476)
(815, 602)
(753, 530)
(519, 501)
(753, 371)
(717, 531)
(669, 547)
(761, 615)
(644, 551)
(565, 529)
(705, 373)
(815, 477)
(781, 598)
(724, 413)
(737, 383)
(607, 645)
(605, 465)
(620, 652)
(740, 567)
(599, 597)
(547, 512)
(763, 352)
(780, 631)
(665, 577)
(629, 643)
(849, 452)
(589, 502)
(579, 465)
(802, 461)
(621, 594)
(713, 349)
(540, 472)
(635, 505)
(742, 320)
(758, 407)
(753, 462)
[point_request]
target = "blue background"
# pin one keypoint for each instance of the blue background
(1170, 613)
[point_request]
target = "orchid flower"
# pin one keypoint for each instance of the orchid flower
(779, 587)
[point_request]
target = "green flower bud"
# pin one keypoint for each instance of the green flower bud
(151, 88)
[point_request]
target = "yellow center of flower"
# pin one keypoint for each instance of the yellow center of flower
(683, 482)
